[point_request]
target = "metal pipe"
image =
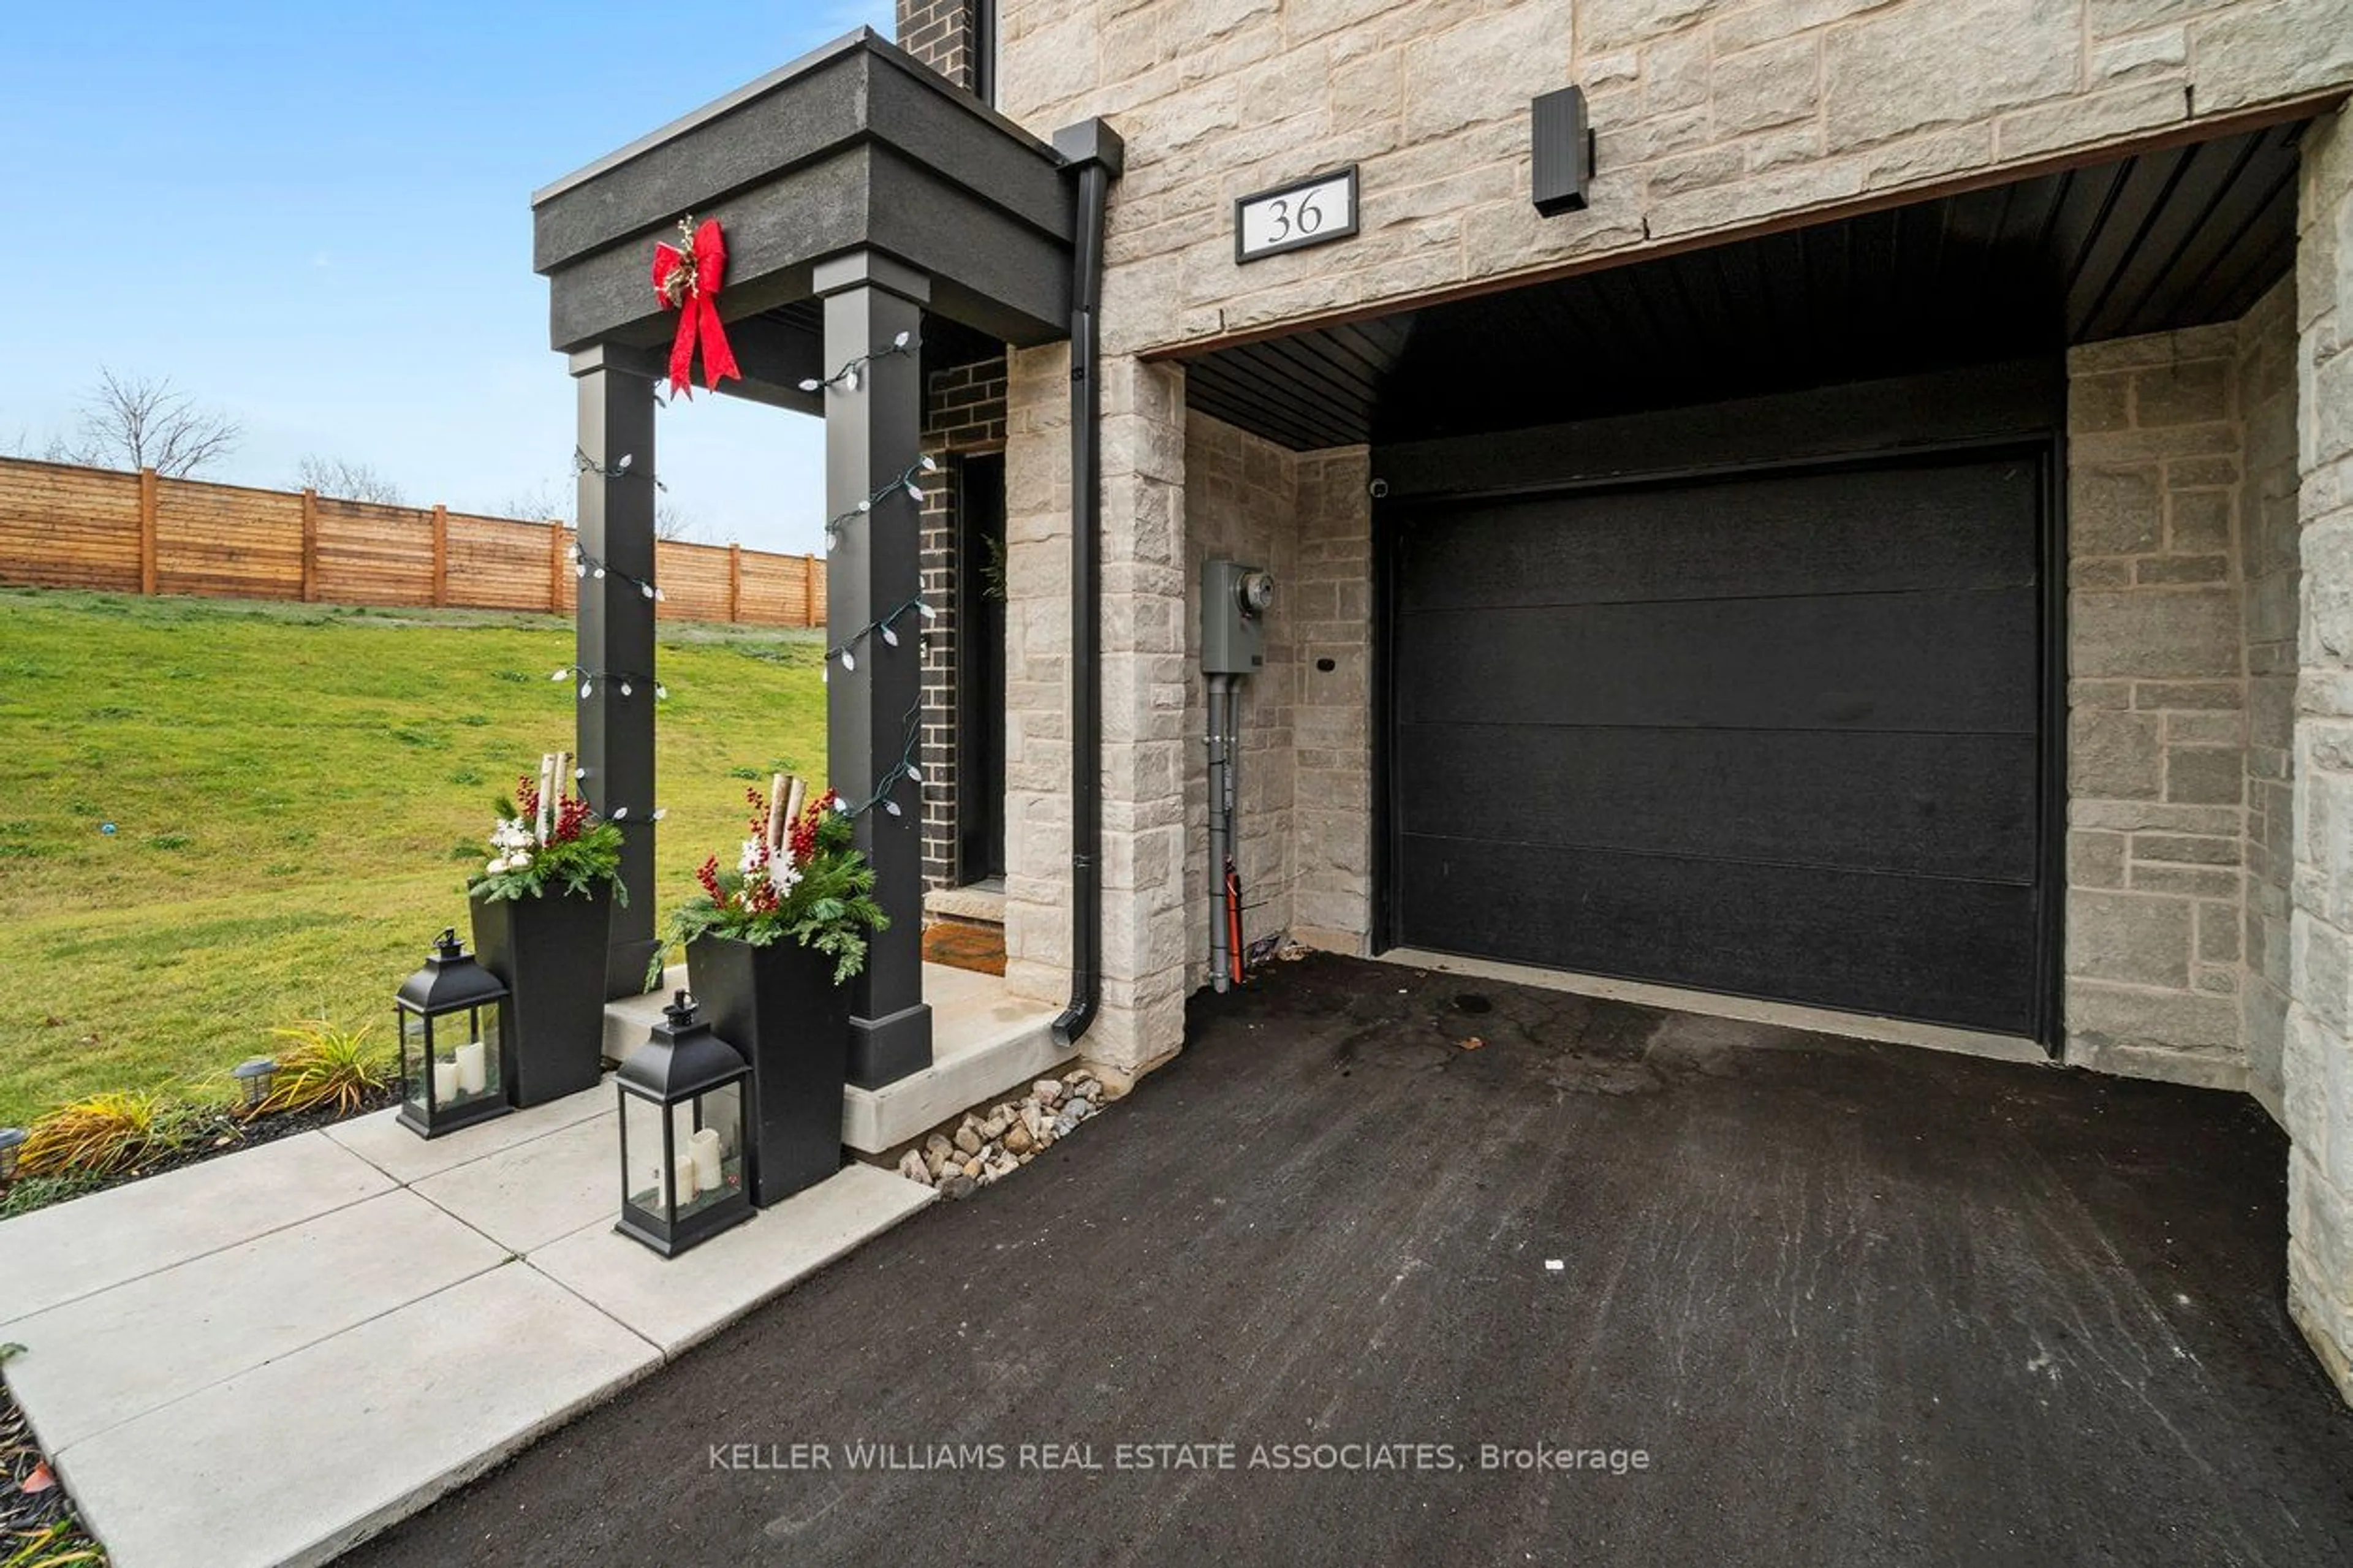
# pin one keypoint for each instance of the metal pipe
(1218, 699)
(1094, 150)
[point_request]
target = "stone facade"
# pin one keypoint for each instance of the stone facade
(2318, 1067)
(2157, 743)
(2210, 900)
(1712, 117)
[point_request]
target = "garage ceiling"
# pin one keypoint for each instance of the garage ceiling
(2171, 238)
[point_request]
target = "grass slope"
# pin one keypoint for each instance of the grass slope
(297, 794)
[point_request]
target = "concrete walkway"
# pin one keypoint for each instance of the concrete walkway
(1856, 1304)
(263, 1358)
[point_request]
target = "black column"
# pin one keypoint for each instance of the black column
(616, 639)
(873, 435)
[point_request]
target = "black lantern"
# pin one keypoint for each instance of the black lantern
(253, 1076)
(682, 1134)
(12, 1139)
(450, 1075)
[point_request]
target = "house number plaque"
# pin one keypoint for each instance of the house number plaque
(1294, 216)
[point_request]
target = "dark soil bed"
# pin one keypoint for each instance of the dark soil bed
(214, 1135)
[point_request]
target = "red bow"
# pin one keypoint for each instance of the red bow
(688, 282)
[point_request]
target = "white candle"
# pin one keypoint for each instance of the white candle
(471, 1078)
(445, 1082)
(684, 1178)
(708, 1171)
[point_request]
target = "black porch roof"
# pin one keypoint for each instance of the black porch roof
(855, 146)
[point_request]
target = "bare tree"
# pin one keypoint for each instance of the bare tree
(548, 500)
(134, 422)
(544, 501)
(347, 481)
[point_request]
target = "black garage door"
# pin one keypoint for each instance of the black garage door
(1776, 736)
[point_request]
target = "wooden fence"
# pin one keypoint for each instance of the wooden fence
(65, 527)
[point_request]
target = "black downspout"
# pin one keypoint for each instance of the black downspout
(1093, 152)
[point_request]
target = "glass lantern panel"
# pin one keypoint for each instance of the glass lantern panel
(469, 1048)
(644, 1181)
(711, 1149)
(414, 1054)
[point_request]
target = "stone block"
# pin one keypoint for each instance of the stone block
(2095, 859)
(2205, 775)
(2185, 849)
(2113, 756)
(1893, 72)
(2163, 571)
(2178, 1020)
(2085, 120)
(1604, 25)
(1761, 87)
(2187, 632)
(2199, 519)
(2130, 937)
(2248, 53)
(2115, 510)
(2098, 403)
(2186, 391)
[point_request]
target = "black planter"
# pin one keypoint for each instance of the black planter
(779, 1005)
(550, 952)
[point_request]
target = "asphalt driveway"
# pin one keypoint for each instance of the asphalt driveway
(1815, 1301)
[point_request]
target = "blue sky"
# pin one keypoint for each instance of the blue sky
(315, 216)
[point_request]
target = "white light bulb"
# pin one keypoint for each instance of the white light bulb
(892, 807)
(660, 692)
(559, 675)
(917, 774)
(599, 574)
(901, 340)
(848, 659)
(842, 807)
(866, 505)
(849, 378)
(810, 384)
(619, 812)
(925, 611)
(890, 636)
(915, 491)
(581, 569)
(625, 689)
(579, 774)
(623, 466)
(926, 464)
(660, 598)
(587, 688)
(646, 589)
(825, 674)
(661, 812)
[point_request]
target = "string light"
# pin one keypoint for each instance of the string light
(846, 376)
(582, 463)
(586, 565)
(885, 625)
(623, 681)
(910, 732)
(905, 482)
(621, 814)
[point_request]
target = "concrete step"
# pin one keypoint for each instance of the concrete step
(986, 1043)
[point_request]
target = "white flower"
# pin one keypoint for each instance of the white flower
(497, 866)
(751, 860)
(781, 872)
(519, 859)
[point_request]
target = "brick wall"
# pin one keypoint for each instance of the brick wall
(964, 415)
(2317, 1067)
(1711, 116)
(940, 34)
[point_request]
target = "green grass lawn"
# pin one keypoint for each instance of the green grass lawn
(297, 793)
